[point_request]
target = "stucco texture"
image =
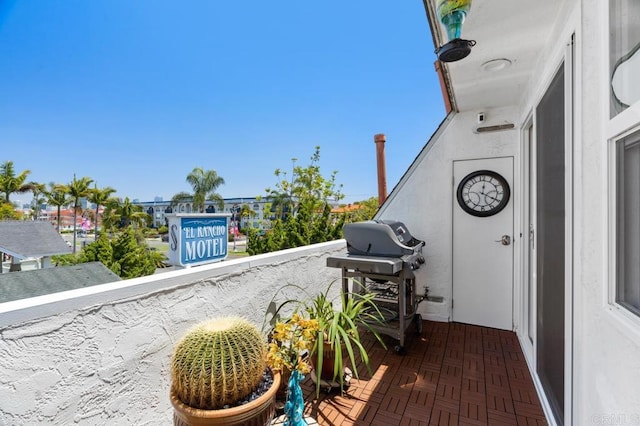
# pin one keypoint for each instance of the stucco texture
(107, 363)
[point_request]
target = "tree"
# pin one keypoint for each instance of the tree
(100, 250)
(7, 212)
(57, 196)
(363, 210)
(246, 212)
(127, 255)
(77, 189)
(39, 191)
(10, 182)
(204, 184)
(281, 197)
(122, 213)
(307, 219)
(110, 218)
(99, 197)
(132, 258)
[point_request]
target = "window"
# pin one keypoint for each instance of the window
(628, 222)
(624, 54)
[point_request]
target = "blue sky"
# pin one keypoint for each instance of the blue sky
(135, 94)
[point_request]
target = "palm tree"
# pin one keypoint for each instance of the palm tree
(123, 213)
(204, 184)
(77, 189)
(110, 218)
(57, 196)
(246, 212)
(39, 191)
(10, 183)
(99, 197)
(282, 203)
(282, 197)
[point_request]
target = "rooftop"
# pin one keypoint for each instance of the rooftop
(25, 284)
(24, 239)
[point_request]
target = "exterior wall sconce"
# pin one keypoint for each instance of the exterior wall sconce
(452, 14)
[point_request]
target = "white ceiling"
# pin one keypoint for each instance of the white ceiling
(516, 30)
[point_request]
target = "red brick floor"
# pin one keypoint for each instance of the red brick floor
(451, 374)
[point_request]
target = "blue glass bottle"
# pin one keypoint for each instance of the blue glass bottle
(294, 407)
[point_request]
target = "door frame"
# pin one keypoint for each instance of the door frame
(514, 200)
(572, 107)
(526, 260)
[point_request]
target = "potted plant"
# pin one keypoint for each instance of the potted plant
(338, 339)
(219, 375)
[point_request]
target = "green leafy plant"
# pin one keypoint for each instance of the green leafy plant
(218, 363)
(301, 210)
(8, 212)
(127, 255)
(340, 319)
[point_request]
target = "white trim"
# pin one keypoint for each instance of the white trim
(527, 135)
(569, 84)
(622, 125)
(531, 364)
(577, 148)
(625, 120)
(621, 316)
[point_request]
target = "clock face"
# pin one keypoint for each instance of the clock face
(483, 193)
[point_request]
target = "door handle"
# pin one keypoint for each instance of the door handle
(505, 240)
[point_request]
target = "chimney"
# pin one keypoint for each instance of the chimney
(380, 139)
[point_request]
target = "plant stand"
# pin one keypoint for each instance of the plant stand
(278, 421)
(328, 385)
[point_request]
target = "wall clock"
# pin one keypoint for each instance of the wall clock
(483, 193)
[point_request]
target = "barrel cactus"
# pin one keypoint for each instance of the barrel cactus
(218, 363)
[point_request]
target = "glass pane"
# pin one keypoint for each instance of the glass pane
(628, 223)
(624, 51)
(550, 242)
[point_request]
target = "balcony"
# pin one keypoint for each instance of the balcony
(100, 355)
(452, 374)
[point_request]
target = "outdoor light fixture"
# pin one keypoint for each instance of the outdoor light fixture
(452, 14)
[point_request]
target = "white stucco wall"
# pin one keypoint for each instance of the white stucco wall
(101, 355)
(605, 349)
(606, 338)
(423, 199)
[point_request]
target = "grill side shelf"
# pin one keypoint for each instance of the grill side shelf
(367, 264)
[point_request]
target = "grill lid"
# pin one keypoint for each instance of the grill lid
(380, 238)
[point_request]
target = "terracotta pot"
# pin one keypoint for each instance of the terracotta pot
(285, 375)
(328, 360)
(258, 412)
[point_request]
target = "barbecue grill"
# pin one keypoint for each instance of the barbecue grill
(381, 258)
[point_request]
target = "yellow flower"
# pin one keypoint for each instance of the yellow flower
(290, 339)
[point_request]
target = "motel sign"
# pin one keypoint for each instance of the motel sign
(197, 238)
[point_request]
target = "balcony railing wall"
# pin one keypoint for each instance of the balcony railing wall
(101, 355)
